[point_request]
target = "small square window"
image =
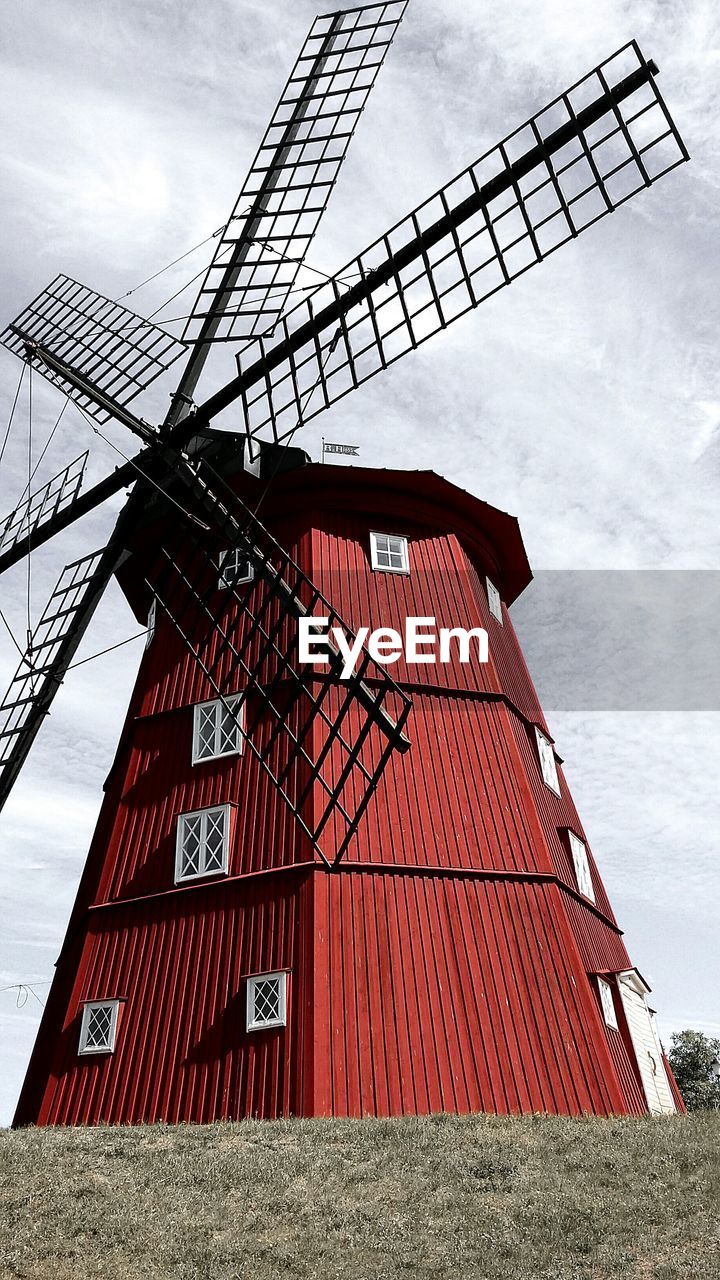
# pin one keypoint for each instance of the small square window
(218, 728)
(151, 621)
(98, 1025)
(607, 1002)
(389, 552)
(203, 841)
(582, 866)
(494, 601)
(266, 1001)
(547, 762)
(235, 568)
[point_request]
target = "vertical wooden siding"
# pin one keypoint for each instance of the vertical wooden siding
(449, 994)
(446, 966)
(182, 1052)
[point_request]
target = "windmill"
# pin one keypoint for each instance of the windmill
(224, 595)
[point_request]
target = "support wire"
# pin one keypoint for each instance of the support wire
(12, 412)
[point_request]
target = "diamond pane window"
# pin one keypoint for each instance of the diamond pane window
(218, 728)
(266, 1001)
(582, 866)
(547, 762)
(98, 1025)
(235, 568)
(494, 601)
(389, 552)
(607, 1002)
(203, 840)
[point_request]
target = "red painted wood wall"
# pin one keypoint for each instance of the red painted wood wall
(449, 965)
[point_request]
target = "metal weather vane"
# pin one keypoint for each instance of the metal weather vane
(594, 147)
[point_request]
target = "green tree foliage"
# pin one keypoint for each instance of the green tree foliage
(695, 1060)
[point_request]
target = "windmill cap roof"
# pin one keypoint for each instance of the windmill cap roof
(306, 490)
(423, 497)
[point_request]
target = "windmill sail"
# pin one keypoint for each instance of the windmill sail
(590, 150)
(44, 504)
(42, 669)
(118, 350)
(324, 742)
(287, 190)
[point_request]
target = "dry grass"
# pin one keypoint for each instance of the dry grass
(476, 1197)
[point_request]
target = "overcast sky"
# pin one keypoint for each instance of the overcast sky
(583, 400)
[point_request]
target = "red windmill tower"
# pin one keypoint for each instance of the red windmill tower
(315, 890)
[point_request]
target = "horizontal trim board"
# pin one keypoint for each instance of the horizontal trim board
(372, 868)
(436, 690)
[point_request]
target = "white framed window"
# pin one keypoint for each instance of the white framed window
(494, 601)
(202, 843)
(607, 1002)
(217, 728)
(98, 1026)
(389, 553)
(151, 621)
(547, 762)
(578, 850)
(266, 1001)
(235, 568)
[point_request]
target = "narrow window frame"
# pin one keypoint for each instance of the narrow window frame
(494, 600)
(198, 708)
(202, 873)
(88, 1008)
(553, 781)
(375, 552)
(579, 854)
(607, 1003)
(251, 983)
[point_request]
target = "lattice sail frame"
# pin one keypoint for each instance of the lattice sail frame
(324, 742)
(537, 189)
(114, 348)
(292, 176)
(45, 503)
(36, 679)
(520, 202)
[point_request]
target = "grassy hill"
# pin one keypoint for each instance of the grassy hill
(466, 1198)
